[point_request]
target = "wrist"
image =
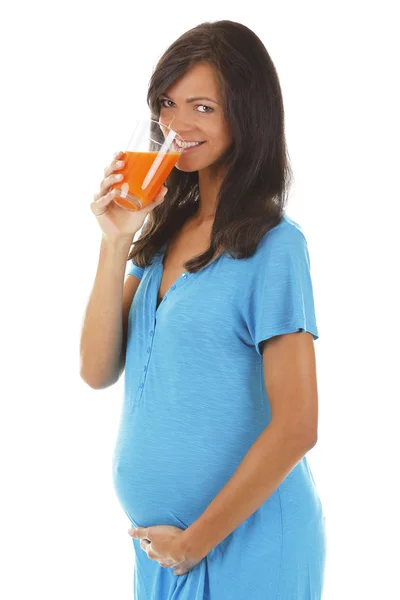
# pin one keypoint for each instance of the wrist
(191, 545)
(115, 251)
(117, 243)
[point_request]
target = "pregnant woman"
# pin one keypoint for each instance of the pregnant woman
(215, 328)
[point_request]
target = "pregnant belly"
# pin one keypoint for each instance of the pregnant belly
(167, 474)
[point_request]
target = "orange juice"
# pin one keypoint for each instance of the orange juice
(136, 176)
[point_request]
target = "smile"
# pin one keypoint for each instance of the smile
(186, 145)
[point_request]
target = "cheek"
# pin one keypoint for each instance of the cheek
(224, 141)
(220, 136)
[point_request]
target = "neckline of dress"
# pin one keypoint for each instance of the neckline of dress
(160, 260)
(161, 254)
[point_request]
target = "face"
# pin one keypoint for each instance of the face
(193, 108)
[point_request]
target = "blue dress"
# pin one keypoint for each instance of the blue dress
(194, 403)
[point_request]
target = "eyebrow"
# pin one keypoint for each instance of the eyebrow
(193, 99)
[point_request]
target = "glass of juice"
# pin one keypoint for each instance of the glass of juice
(149, 158)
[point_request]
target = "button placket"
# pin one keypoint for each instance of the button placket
(184, 277)
(145, 368)
(175, 286)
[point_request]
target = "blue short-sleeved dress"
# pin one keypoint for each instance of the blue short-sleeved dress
(194, 403)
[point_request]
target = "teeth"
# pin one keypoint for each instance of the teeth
(186, 144)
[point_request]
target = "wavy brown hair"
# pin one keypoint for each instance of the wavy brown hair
(254, 191)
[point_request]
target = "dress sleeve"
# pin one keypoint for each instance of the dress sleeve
(135, 270)
(281, 296)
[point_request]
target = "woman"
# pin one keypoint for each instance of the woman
(220, 404)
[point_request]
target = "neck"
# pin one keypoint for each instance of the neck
(209, 186)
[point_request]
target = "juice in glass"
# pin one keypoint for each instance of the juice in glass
(149, 158)
(137, 167)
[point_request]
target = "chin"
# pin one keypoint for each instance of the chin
(187, 165)
(186, 169)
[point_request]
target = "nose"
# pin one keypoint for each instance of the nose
(180, 125)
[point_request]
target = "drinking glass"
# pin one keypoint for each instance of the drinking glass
(149, 158)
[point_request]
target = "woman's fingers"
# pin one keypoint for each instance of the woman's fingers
(114, 166)
(100, 203)
(118, 156)
(109, 181)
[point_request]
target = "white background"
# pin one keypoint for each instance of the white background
(74, 79)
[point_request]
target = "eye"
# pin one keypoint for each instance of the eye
(165, 100)
(208, 108)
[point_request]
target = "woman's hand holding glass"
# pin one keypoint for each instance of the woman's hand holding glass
(115, 221)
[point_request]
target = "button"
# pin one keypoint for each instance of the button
(151, 332)
(184, 275)
(148, 349)
(173, 287)
(141, 386)
(145, 368)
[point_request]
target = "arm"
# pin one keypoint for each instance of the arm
(291, 385)
(102, 337)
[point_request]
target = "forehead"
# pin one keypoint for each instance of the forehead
(199, 80)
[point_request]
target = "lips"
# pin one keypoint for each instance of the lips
(192, 148)
(198, 143)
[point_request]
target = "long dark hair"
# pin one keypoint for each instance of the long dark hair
(254, 191)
